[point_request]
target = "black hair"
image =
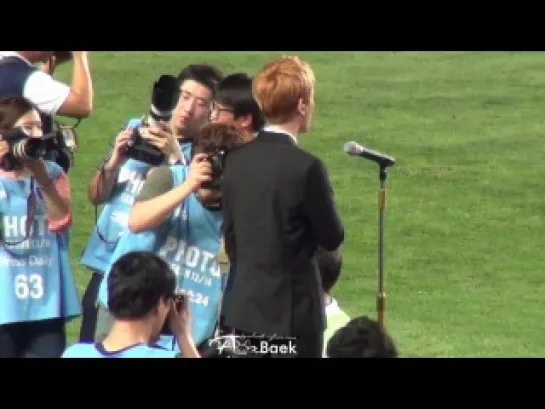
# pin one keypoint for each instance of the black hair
(362, 337)
(11, 109)
(235, 91)
(137, 282)
(329, 264)
(204, 74)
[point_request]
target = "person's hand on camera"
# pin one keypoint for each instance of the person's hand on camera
(36, 167)
(200, 171)
(118, 157)
(160, 136)
(180, 317)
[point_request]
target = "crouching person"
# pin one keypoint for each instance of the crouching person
(141, 300)
(178, 216)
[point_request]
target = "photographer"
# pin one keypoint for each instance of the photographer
(119, 179)
(38, 294)
(19, 77)
(141, 299)
(181, 222)
(114, 185)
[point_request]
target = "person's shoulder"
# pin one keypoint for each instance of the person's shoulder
(80, 350)
(164, 171)
(301, 162)
(242, 148)
(159, 351)
(313, 165)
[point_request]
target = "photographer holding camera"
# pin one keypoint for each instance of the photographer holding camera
(117, 180)
(141, 298)
(182, 224)
(183, 103)
(38, 294)
(20, 78)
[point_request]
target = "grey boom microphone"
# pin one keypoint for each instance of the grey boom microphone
(355, 149)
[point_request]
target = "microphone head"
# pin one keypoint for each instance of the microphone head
(352, 148)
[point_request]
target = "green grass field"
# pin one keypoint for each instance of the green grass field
(463, 221)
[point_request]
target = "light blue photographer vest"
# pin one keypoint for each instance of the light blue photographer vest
(36, 280)
(189, 241)
(112, 222)
(136, 351)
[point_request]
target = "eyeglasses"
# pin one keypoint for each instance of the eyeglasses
(216, 110)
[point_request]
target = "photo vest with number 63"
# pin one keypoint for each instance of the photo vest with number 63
(36, 281)
(189, 241)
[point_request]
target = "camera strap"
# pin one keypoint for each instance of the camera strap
(100, 182)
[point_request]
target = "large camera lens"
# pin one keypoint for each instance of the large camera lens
(30, 148)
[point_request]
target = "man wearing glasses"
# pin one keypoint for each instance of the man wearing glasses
(235, 105)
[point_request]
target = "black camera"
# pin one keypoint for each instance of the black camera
(217, 160)
(179, 300)
(164, 98)
(22, 147)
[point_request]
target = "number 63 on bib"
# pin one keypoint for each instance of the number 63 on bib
(29, 286)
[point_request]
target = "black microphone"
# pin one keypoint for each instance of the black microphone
(355, 149)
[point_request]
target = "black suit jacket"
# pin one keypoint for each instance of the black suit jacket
(278, 207)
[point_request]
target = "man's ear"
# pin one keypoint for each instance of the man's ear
(302, 106)
(245, 121)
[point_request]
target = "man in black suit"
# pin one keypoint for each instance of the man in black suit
(278, 207)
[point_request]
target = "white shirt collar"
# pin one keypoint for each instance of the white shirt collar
(277, 129)
(5, 54)
(332, 307)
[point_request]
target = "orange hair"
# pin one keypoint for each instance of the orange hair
(279, 86)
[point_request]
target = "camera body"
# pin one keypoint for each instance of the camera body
(22, 147)
(217, 161)
(164, 98)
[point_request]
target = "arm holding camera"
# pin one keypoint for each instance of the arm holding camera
(53, 97)
(161, 136)
(56, 195)
(154, 206)
(104, 180)
(180, 325)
